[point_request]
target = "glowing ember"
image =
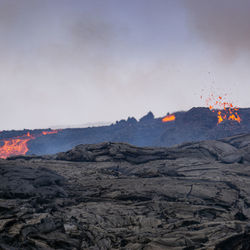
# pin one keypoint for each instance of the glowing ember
(50, 132)
(168, 118)
(18, 145)
(225, 110)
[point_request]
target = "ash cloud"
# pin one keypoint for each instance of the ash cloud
(225, 24)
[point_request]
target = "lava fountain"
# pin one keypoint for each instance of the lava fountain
(225, 110)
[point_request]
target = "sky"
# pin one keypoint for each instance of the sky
(70, 62)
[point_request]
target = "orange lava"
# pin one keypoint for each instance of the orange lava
(50, 132)
(18, 145)
(168, 118)
(225, 110)
(15, 146)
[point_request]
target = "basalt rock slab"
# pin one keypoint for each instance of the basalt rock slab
(116, 152)
(25, 182)
(117, 196)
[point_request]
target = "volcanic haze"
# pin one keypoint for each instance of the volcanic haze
(80, 61)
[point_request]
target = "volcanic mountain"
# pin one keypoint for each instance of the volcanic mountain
(184, 126)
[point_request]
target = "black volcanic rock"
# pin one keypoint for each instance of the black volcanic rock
(112, 152)
(131, 120)
(25, 182)
(118, 196)
(116, 152)
(148, 117)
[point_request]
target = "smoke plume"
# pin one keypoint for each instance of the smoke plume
(224, 24)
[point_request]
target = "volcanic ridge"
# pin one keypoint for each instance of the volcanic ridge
(194, 125)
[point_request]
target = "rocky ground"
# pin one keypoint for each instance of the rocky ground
(117, 196)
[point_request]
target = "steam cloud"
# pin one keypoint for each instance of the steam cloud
(223, 23)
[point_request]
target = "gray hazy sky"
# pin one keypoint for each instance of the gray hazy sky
(78, 61)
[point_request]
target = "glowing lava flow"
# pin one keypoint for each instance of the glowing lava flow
(15, 146)
(168, 118)
(18, 145)
(50, 132)
(227, 111)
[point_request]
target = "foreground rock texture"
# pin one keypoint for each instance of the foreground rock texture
(117, 196)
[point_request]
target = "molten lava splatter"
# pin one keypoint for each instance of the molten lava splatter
(168, 118)
(225, 110)
(50, 132)
(18, 145)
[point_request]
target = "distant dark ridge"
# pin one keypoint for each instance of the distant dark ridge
(196, 124)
